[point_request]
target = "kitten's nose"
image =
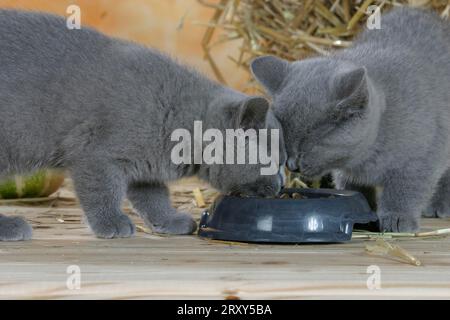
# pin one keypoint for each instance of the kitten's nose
(292, 165)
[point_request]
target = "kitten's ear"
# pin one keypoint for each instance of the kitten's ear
(252, 113)
(270, 71)
(352, 91)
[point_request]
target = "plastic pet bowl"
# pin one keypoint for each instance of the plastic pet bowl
(322, 215)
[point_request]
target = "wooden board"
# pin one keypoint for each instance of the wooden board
(151, 266)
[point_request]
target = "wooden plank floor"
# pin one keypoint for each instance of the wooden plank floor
(151, 266)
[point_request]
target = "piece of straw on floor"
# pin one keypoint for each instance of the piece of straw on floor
(384, 248)
(199, 200)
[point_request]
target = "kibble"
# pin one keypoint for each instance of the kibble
(295, 195)
(284, 196)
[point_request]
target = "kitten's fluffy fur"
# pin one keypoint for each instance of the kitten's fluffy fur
(376, 114)
(105, 109)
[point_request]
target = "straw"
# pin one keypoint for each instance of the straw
(291, 29)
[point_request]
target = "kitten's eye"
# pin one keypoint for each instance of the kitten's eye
(336, 117)
(342, 115)
(355, 113)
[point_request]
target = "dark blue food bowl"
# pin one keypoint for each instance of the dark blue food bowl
(321, 215)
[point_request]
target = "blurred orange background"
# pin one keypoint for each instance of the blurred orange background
(173, 26)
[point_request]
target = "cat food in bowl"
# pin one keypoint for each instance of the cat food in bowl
(295, 216)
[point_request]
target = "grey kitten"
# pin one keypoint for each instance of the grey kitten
(104, 109)
(376, 114)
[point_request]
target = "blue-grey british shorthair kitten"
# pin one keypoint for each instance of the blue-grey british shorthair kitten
(104, 109)
(375, 114)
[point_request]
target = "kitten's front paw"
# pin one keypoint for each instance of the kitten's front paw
(14, 229)
(394, 222)
(178, 223)
(119, 226)
(437, 210)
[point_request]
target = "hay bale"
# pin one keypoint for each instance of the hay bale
(292, 29)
